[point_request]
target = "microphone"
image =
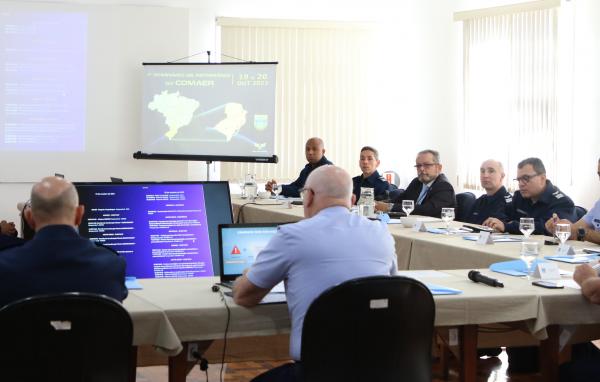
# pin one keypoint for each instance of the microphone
(477, 277)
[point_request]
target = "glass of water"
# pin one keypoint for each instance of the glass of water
(526, 226)
(408, 206)
(563, 232)
(242, 183)
(529, 252)
(447, 217)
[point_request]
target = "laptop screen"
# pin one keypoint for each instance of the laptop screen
(164, 230)
(240, 244)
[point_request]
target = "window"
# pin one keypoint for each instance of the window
(510, 91)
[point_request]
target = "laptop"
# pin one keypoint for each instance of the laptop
(239, 244)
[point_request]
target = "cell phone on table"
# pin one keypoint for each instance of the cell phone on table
(478, 229)
(547, 284)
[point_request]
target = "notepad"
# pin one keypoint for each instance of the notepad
(573, 259)
(513, 267)
(439, 290)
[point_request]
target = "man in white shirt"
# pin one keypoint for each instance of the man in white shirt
(327, 248)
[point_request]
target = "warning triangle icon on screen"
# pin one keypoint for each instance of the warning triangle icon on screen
(236, 250)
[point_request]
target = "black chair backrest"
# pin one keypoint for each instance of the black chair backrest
(464, 205)
(65, 337)
(580, 212)
(369, 329)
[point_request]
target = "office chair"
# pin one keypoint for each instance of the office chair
(369, 329)
(65, 337)
(580, 212)
(464, 205)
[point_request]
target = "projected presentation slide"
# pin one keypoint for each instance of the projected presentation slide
(42, 81)
(209, 109)
(163, 230)
(241, 245)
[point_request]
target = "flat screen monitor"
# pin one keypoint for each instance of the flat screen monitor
(163, 229)
(223, 112)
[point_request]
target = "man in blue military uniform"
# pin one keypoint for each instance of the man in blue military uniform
(58, 259)
(370, 177)
(588, 225)
(493, 202)
(315, 155)
(430, 190)
(537, 198)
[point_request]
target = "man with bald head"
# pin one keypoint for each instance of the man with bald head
(57, 259)
(314, 150)
(493, 202)
(330, 246)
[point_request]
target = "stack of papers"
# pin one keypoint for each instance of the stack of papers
(577, 259)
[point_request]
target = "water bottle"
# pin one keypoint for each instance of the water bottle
(366, 202)
(251, 187)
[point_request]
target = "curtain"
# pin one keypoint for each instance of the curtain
(322, 88)
(510, 82)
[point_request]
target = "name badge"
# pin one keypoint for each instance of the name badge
(565, 250)
(485, 238)
(547, 271)
(419, 227)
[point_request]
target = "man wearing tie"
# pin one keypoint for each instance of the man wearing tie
(430, 190)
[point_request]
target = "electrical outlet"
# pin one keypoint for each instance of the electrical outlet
(192, 347)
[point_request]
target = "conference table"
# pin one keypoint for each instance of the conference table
(171, 314)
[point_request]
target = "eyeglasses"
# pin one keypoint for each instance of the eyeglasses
(424, 165)
(526, 178)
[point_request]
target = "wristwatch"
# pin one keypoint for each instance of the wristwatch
(581, 234)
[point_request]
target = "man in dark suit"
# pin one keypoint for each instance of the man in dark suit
(314, 150)
(430, 190)
(57, 259)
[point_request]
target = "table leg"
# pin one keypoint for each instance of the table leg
(549, 354)
(180, 366)
(468, 353)
(133, 364)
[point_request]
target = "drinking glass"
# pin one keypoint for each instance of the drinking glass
(447, 217)
(408, 206)
(563, 232)
(526, 226)
(242, 183)
(529, 252)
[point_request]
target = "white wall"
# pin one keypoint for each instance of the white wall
(120, 38)
(414, 71)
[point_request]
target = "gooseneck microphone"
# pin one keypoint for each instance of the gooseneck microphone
(477, 277)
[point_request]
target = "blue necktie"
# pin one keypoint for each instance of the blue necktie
(423, 193)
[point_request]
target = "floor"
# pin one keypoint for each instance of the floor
(490, 369)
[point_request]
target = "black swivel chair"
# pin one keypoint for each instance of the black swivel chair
(65, 338)
(369, 329)
(580, 212)
(464, 203)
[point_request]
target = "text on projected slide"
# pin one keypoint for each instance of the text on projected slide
(162, 231)
(209, 109)
(43, 76)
